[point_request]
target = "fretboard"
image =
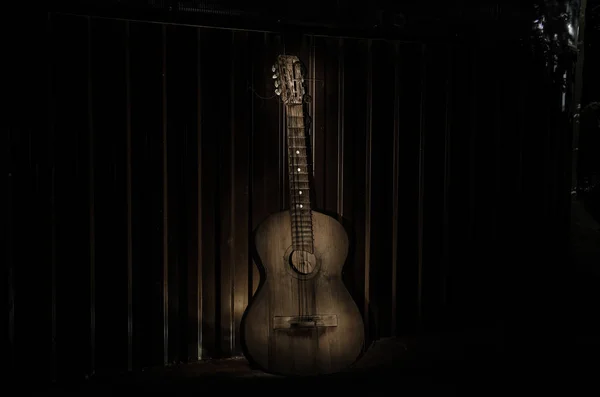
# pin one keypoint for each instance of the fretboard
(300, 209)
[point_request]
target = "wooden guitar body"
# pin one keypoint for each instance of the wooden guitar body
(296, 323)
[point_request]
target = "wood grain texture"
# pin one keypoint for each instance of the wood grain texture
(302, 351)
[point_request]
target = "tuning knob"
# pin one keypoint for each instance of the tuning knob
(275, 76)
(273, 68)
(277, 91)
(276, 83)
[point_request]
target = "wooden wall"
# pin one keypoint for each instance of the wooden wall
(131, 205)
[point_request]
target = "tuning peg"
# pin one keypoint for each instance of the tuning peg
(277, 91)
(276, 83)
(273, 68)
(275, 76)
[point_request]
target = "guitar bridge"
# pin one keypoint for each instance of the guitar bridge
(314, 321)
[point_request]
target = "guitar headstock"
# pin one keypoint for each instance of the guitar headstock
(288, 76)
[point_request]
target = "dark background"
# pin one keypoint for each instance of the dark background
(142, 152)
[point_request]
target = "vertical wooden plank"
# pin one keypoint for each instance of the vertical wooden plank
(190, 196)
(433, 185)
(165, 203)
(182, 206)
(24, 229)
(72, 200)
(215, 119)
(252, 271)
(354, 175)
(52, 228)
(128, 198)
(319, 109)
(266, 143)
(340, 129)
(208, 218)
(447, 179)
(395, 187)
(382, 193)
(200, 250)
(485, 174)
(478, 96)
(15, 214)
(421, 187)
(330, 130)
(312, 73)
(219, 122)
(182, 154)
(241, 70)
(147, 192)
(368, 154)
(91, 182)
(110, 193)
(459, 242)
(227, 191)
(173, 156)
(10, 243)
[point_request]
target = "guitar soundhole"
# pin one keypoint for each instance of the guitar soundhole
(302, 262)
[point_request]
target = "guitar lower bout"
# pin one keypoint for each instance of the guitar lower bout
(302, 321)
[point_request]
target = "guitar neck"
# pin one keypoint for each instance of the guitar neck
(298, 169)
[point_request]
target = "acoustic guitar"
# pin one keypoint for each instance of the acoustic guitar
(302, 319)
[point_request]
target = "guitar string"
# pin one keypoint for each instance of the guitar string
(293, 204)
(299, 239)
(299, 213)
(300, 223)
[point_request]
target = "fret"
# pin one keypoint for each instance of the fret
(306, 241)
(301, 212)
(308, 246)
(303, 215)
(297, 201)
(301, 221)
(297, 230)
(299, 182)
(302, 234)
(295, 193)
(292, 153)
(299, 236)
(297, 162)
(299, 173)
(304, 197)
(297, 185)
(301, 177)
(304, 224)
(302, 240)
(301, 227)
